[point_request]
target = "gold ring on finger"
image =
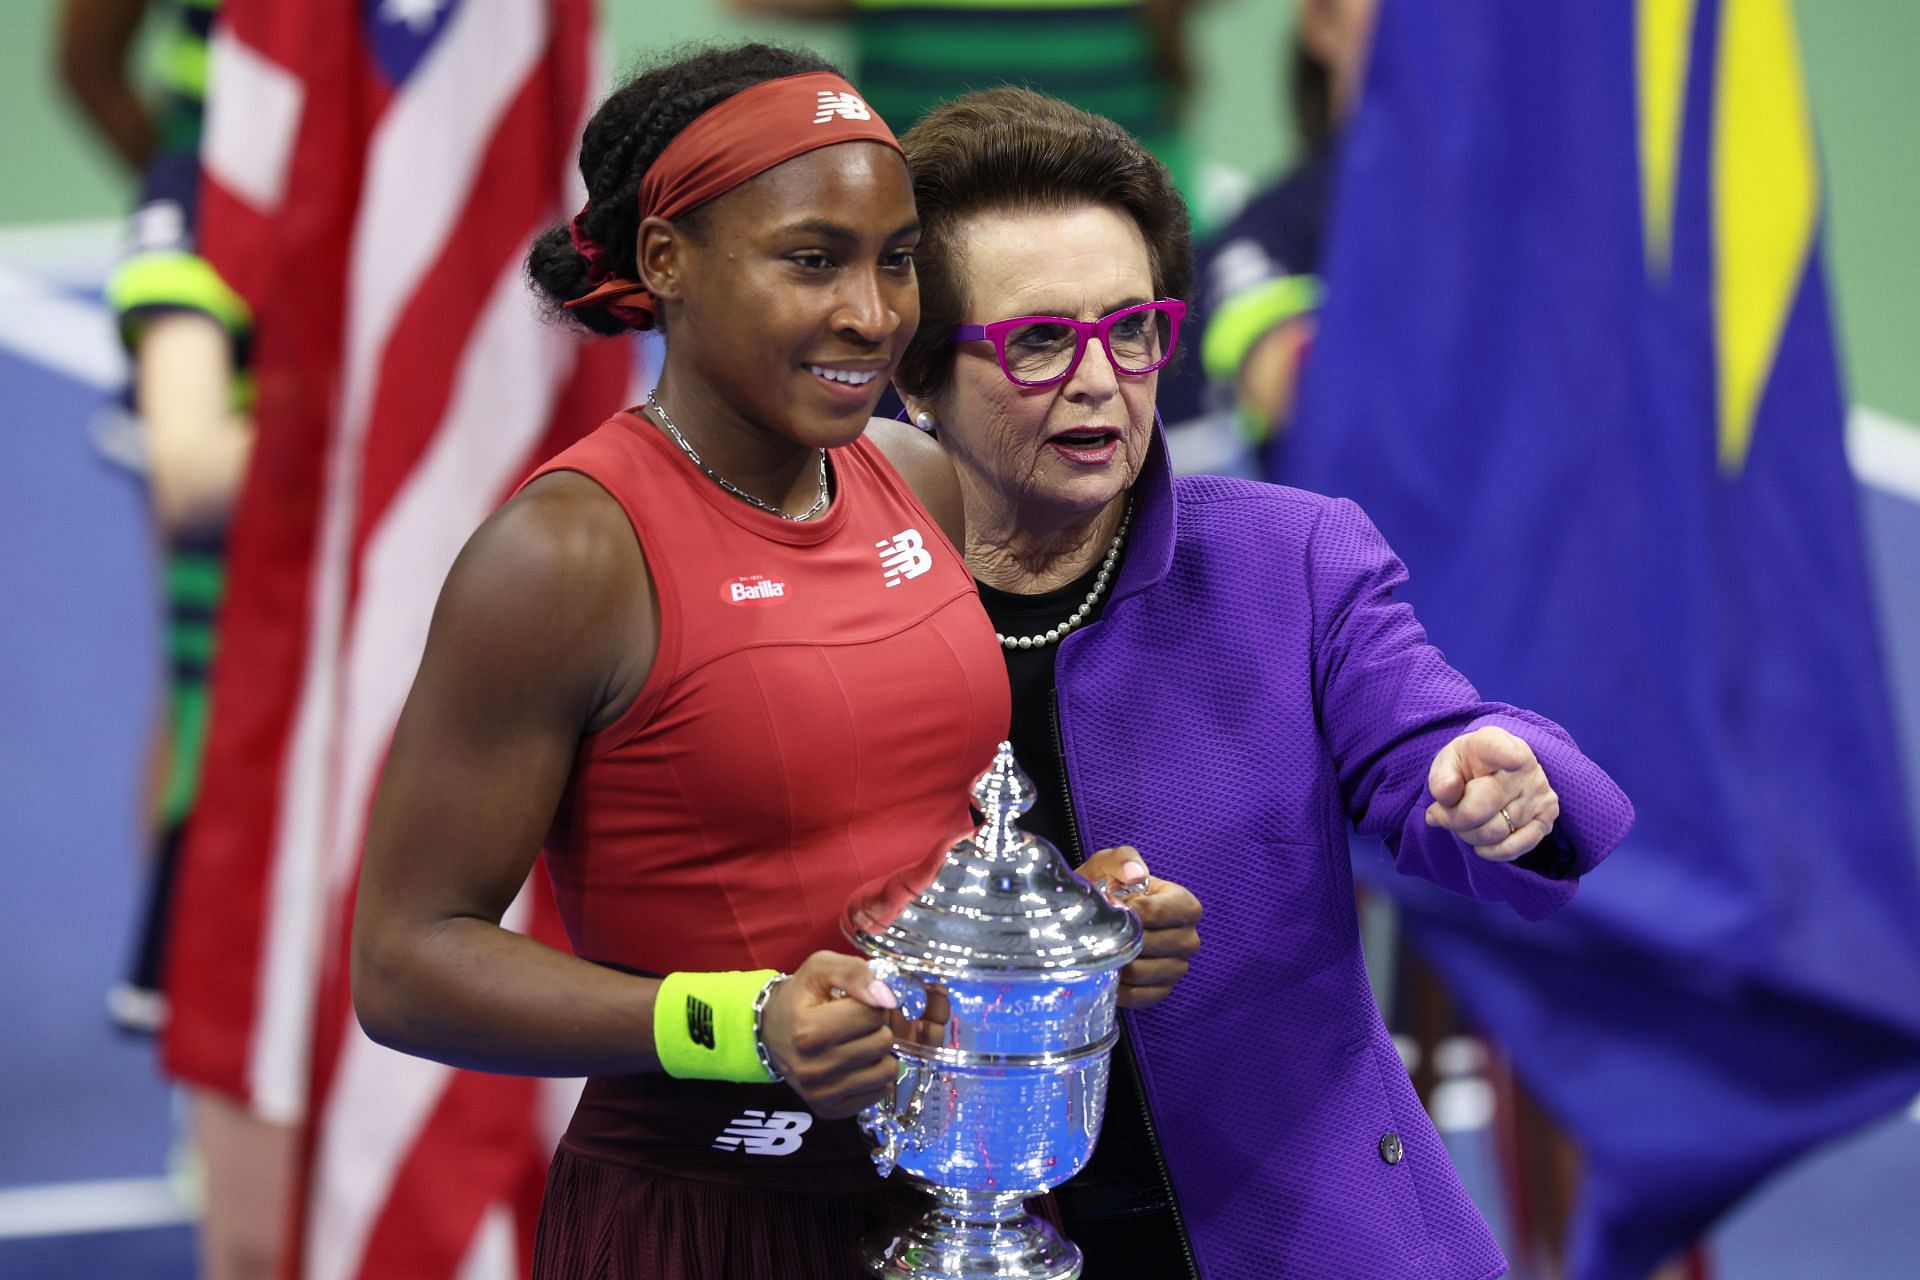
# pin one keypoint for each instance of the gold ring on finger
(1511, 828)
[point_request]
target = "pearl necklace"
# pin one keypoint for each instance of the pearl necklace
(1079, 615)
(819, 503)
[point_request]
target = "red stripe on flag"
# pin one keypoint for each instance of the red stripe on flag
(292, 272)
(596, 391)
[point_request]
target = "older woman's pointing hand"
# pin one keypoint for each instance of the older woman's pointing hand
(1489, 789)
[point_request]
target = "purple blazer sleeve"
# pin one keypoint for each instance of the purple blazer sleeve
(1387, 702)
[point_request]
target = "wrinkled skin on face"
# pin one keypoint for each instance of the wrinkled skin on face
(1045, 470)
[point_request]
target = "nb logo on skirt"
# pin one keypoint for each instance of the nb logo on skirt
(765, 1133)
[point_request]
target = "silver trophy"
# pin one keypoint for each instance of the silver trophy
(1014, 962)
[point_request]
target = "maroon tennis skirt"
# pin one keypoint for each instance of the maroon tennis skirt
(608, 1221)
(661, 1179)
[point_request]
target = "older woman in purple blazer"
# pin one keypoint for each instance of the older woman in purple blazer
(1212, 679)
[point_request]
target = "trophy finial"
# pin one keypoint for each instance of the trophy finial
(1004, 791)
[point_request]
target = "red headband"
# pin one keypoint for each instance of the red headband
(730, 142)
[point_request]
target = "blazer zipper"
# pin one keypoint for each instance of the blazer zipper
(1079, 855)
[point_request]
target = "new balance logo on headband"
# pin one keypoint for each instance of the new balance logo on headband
(765, 1133)
(846, 106)
(904, 556)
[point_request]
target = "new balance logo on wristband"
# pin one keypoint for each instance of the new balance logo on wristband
(904, 556)
(765, 1133)
(700, 1022)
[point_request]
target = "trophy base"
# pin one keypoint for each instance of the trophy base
(973, 1236)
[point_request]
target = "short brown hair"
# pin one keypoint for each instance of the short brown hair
(1017, 150)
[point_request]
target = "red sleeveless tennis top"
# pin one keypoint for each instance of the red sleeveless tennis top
(823, 696)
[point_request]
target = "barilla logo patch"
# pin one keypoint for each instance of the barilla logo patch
(756, 590)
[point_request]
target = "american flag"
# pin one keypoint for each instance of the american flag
(375, 170)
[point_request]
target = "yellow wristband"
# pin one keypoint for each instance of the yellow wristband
(703, 1026)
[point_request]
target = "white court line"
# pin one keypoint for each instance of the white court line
(73, 1208)
(1884, 452)
(72, 254)
(38, 321)
(66, 334)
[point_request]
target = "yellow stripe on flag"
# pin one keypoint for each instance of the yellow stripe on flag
(1766, 201)
(1663, 37)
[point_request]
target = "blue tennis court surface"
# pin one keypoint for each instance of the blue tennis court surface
(87, 1140)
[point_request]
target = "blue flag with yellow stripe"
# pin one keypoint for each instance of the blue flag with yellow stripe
(1577, 361)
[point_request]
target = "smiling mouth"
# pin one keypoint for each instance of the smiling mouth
(846, 377)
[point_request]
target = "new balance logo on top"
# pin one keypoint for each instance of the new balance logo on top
(765, 1133)
(904, 556)
(847, 106)
(700, 1022)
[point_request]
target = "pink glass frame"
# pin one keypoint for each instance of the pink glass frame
(997, 332)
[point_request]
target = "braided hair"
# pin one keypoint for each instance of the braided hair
(624, 137)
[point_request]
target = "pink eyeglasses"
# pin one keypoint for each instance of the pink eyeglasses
(1038, 351)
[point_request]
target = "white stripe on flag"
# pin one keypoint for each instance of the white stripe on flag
(493, 1256)
(379, 1104)
(503, 396)
(424, 157)
(558, 1099)
(253, 119)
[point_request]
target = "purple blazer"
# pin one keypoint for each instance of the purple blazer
(1251, 689)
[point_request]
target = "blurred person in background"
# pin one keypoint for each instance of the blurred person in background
(1260, 275)
(187, 334)
(1218, 673)
(1126, 60)
(95, 59)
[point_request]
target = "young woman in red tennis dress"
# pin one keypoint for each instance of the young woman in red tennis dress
(723, 661)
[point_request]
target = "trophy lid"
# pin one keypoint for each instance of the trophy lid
(1000, 900)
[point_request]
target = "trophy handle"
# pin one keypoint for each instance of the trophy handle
(892, 1123)
(911, 996)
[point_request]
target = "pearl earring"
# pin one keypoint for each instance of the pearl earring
(924, 420)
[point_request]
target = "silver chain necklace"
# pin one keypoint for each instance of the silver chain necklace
(1079, 615)
(819, 503)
